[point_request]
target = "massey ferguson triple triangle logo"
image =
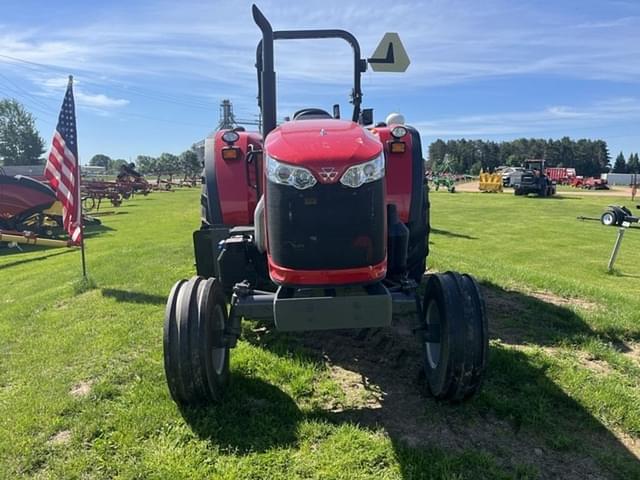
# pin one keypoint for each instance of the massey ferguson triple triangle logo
(328, 174)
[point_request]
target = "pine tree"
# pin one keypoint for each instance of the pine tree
(633, 165)
(620, 165)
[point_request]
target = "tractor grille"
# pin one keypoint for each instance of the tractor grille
(528, 179)
(326, 227)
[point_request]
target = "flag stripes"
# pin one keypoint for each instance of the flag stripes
(62, 170)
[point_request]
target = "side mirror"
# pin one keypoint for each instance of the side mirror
(366, 117)
(336, 111)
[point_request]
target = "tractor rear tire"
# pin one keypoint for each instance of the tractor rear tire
(210, 214)
(456, 342)
(419, 241)
(196, 359)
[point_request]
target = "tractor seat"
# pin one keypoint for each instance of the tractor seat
(311, 114)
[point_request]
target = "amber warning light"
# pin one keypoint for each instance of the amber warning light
(231, 153)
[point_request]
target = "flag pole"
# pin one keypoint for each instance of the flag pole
(79, 200)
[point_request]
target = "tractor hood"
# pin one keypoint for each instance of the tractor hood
(322, 143)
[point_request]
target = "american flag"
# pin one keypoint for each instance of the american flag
(62, 167)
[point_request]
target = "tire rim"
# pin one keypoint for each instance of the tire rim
(218, 355)
(607, 218)
(433, 348)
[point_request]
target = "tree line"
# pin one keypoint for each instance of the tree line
(186, 164)
(632, 165)
(588, 157)
(21, 144)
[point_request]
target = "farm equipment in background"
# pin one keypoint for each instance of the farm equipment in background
(30, 213)
(318, 223)
(95, 191)
(128, 183)
(507, 173)
(490, 182)
(14, 239)
(561, 175)
(589, 183)
(442, 176)
(532, 179)
(29, 205)
(618, 215)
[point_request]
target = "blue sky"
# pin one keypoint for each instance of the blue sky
(150, 74)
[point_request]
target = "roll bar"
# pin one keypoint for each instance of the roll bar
(267, 75)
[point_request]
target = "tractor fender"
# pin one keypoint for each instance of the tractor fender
(213, 198)
(260, 237)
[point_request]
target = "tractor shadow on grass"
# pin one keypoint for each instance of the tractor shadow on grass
(522, 421)
(255, 416)
(543, 319)
(446, 233)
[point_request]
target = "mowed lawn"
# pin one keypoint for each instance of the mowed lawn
(83, 394)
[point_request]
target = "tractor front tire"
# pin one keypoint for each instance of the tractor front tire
(196, 358)
(456, 340)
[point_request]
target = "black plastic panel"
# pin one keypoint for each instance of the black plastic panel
(326, 227)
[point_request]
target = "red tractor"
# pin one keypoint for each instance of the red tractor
(317, 223)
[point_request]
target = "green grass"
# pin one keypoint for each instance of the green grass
(563, 387)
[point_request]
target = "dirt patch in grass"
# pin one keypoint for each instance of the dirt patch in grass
(510, 302)
(381, 375)
(63, 437)
(594, 364)
(559, 301)
(358, 391)
(633, 351)
(81, 389)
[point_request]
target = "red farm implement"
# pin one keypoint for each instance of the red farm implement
(128, 183)
(589, 183)
(30, 213)
(561, 175)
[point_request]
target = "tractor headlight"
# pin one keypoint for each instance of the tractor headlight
(364, 173)
(398, 132)
(230, 136)
(284, 174)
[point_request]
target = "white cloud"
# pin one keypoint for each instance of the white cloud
(54, 87)
(531, 123)
(98, 100)
(448, 42)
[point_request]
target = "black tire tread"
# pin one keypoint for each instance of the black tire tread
(192, 327)
(464, 336)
